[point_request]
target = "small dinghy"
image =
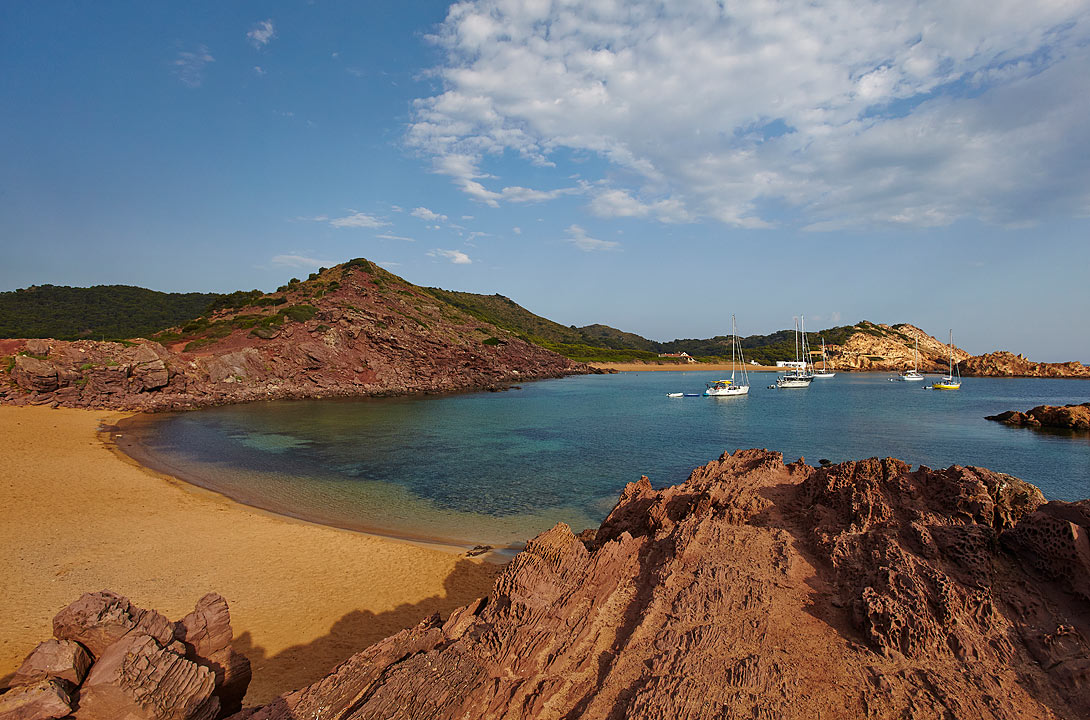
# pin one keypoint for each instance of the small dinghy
(675, 394)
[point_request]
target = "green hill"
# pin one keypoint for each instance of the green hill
(111, 312)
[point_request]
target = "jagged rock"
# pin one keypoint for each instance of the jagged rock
(137, 678)
(62, 659)
(31, 373)
(1071, 417)
(98, 620)
(760, 590)
(43, 700)
(38, 347)
(206, 634)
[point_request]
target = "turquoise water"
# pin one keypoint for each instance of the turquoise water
(497, 468)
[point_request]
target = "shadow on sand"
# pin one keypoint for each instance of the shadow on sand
(300, 665)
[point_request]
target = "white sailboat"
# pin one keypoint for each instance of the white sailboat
(912, 375)
(824, 372)
(728, 388)
(799, 377)
(952, 381)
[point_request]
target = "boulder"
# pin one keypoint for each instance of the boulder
(31, 373)
(138, 679)
(38, 347)
(62, 659)
(44, 700)
(206, 634)
(98, 620)
(150, 375)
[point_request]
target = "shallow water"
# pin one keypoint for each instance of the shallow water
(498, 468)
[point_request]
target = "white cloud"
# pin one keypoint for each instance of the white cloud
(389, 236)
(261, 34)
(259, 70)
(424, 214)
(358, 220)
(832, 112)
(455, 256)
(578, 236)
(299, 261)
(517, 230)
(189, 66)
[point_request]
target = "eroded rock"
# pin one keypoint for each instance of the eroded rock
(62, 659)
(42, 700)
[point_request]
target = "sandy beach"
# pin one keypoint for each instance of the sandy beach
(680, 367)
(77, 517)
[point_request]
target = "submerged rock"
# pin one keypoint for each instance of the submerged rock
(758, 589)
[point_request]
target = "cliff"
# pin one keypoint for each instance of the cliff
(351, 330)
(889, 348)
(761, 590)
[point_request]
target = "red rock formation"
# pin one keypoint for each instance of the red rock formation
(1005, 364)
(354, 330)
(1071, 417)
(144, 666)
(62, 659)
(759, 590)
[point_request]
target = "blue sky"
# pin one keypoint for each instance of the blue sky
(652, 166)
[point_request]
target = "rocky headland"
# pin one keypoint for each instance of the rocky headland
(351, 330)
(760, 589)
(889, 348)
(109, 660)
(1067, 417)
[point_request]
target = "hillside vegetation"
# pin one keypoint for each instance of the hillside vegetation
(102, 312)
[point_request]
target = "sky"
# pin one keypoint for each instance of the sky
(654, 166)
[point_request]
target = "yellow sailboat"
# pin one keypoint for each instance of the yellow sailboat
(952, 381)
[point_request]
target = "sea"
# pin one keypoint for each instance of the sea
(496, 468)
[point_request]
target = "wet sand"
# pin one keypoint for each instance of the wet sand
(78, 517)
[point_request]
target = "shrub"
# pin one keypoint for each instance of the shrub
(299, 313)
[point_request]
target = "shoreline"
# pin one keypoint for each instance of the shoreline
(83, 516)
(116, 438)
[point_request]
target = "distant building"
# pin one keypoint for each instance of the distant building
(684, 355)
(791, 364)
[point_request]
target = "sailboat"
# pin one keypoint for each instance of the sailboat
(799, 377)
(952, 381)
(824, 372)
(914, 374)
(727, 388)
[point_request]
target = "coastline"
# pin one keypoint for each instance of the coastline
(82, 517)
(680, 367)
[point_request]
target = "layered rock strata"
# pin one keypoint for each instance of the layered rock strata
(759, 589)
(1068, 417)
(111, 660)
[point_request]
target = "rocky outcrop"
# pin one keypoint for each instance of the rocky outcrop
(1005, 364)
(759, 589)
(111, 660)
(1068, 417)
(352, 330)
(890, 348)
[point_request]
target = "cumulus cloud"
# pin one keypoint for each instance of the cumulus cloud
(424, 214)
(299, 261)
(261, 34)
(189, 66)
(578, 236)
(455, 256)
(390, 236)
(834, 113)
(358, 220)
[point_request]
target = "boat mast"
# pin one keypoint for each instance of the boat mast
(950, 368)
(733, 341)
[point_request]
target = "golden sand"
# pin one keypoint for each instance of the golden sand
(77, 518)
(680, 367)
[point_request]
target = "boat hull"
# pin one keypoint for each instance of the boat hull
(793, 382)
(818, 375)
(908, 377)
(728, 392)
